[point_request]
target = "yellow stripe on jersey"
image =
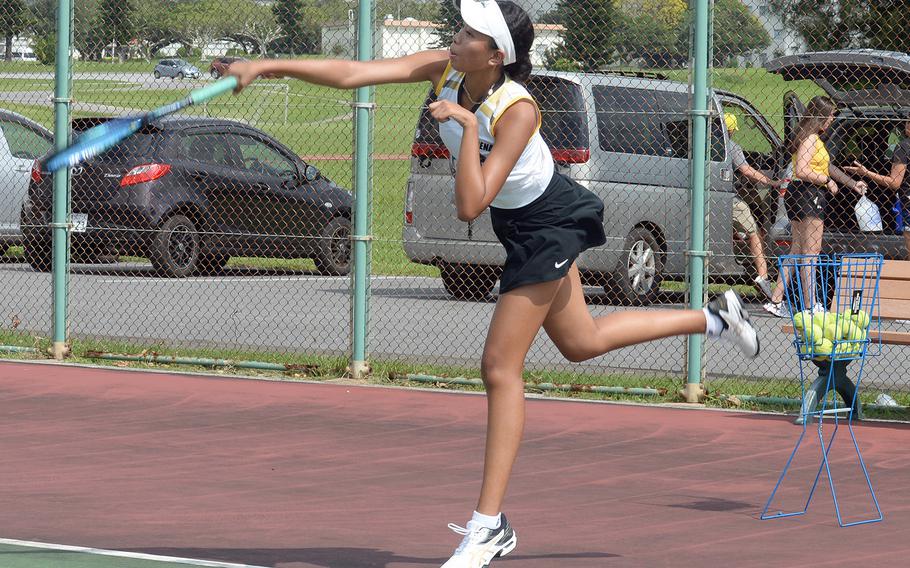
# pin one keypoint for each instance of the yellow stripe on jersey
(442, 80)
(509, 105)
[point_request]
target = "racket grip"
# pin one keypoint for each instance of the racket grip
(219, 87)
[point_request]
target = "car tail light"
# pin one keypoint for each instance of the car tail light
(36, 172)
(144, 173)
(571, 155)
(423, 150)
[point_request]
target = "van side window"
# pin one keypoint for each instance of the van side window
(629, 122)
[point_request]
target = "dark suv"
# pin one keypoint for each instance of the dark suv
(189, 193)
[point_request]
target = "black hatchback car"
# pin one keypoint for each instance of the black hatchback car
(189, 193)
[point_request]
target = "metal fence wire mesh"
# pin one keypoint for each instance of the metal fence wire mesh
(229, 226)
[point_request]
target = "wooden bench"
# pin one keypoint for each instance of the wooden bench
(893, 303)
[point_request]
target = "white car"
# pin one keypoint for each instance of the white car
(22, 141)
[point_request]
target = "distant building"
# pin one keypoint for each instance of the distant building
(21, 49)
(395, 38)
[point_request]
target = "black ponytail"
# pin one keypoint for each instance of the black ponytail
(522, 30)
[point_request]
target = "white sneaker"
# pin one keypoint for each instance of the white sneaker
(737, 328)
(481, 545)
(764, 286)
(776, 309)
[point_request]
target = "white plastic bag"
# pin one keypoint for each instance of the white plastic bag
(868, 216)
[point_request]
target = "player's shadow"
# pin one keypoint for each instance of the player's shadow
(344, 557)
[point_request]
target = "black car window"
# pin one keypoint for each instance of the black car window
(628, 121)
(674, 116)
(208, 148)
(261, 158)
(137, 146)
(23, 141)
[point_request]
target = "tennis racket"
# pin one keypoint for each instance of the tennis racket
(107, 135)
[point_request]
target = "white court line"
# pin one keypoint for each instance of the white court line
(121, 554)
(254, 279)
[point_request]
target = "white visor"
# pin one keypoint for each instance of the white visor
(486, 17)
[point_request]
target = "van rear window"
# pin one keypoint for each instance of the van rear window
(139, 145)
(564, 119)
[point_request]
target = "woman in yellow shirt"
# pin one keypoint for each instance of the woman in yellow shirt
(813, 179)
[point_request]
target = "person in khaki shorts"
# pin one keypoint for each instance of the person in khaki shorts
(743, 219)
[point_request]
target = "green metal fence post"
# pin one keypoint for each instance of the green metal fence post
(61, 178)
(700, 183)
(363, 108)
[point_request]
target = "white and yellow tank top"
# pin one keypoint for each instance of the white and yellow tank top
(532, 173)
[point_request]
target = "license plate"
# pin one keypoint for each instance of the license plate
(79, 222)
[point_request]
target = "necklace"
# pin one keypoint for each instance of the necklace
(471, 99)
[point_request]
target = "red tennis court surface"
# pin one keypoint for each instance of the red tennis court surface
(302, 475)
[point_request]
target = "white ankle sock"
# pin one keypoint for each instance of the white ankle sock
(715, 324)
(486, 521)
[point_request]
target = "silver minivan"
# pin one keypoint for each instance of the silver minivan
(624, 136)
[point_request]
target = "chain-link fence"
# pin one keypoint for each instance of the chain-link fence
(229, 227)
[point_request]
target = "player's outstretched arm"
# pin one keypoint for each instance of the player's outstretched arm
(344, 73)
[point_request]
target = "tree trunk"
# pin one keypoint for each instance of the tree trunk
(9, 47)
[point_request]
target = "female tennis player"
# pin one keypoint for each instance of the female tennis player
(490, 124)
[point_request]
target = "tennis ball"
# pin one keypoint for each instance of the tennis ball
(842, 328)
(803, 319)
(821, 318)
(846, 348)
(856, 333)
(861, 318)
(825, 347)
(813, 335)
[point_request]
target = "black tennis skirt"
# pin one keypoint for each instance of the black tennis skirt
(543, 239)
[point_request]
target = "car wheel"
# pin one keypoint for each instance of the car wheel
(637, 278)
(157, 74)
(212, 264)
(38, 255)
(333, 254)
(175, 250)
(467, 281)
(215, 74)
(180, 76)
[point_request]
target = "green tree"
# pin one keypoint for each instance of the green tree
(887, 25)
(588, 39)
(449, 20)
(296, 18)
(828, 25)
(737, 31)
(117, 24)
(13, 21)
(653, 32)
